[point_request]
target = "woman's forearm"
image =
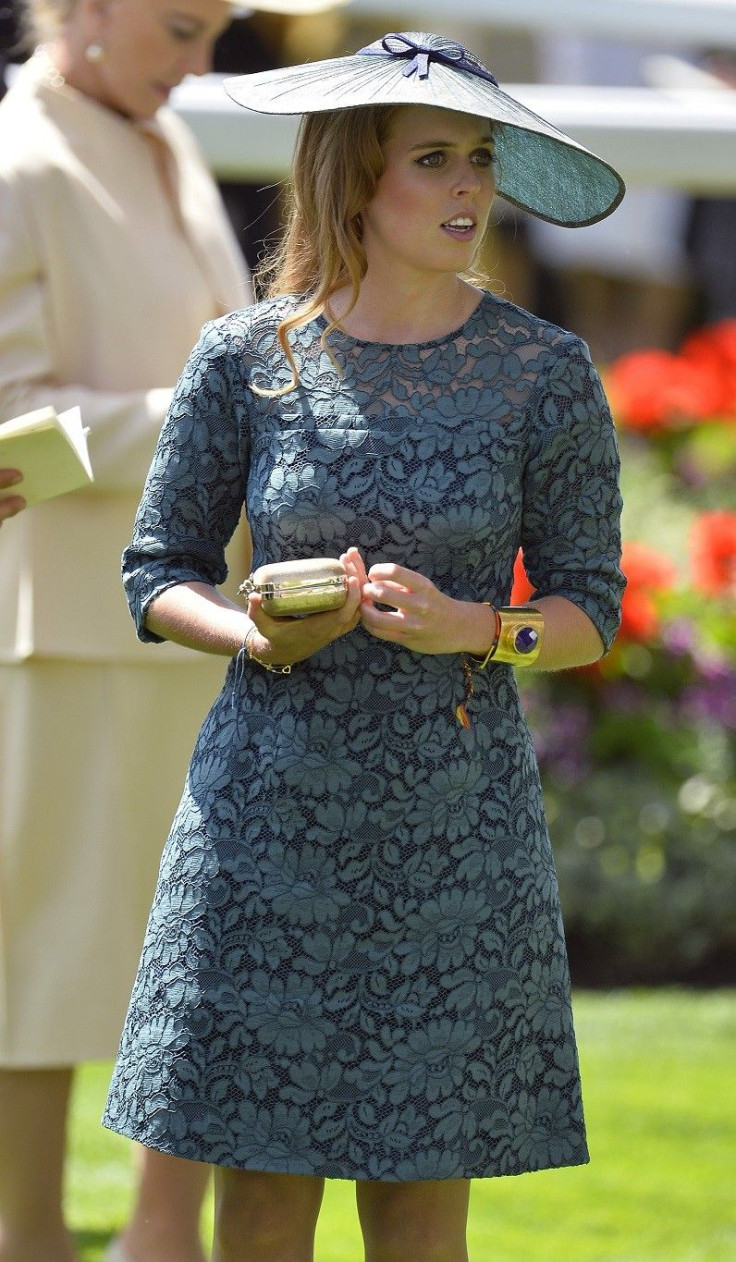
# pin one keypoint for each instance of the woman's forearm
(570, 638)
(199, 617)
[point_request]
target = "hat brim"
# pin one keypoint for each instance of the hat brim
(538, 168)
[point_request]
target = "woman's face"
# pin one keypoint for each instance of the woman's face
(149, 46)
(431, 205)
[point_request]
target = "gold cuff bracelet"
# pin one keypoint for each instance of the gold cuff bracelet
(519, 640)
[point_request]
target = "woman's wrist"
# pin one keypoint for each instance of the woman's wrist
(516, 641)
(480, 629)
(490, 643)
(259, 650)
(517, 637)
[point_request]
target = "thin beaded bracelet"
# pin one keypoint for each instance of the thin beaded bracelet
(471, 663)
(275, 670)
(481, 663)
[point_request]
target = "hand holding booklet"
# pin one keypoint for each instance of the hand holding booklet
(49, 449)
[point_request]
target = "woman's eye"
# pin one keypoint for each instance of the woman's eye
(435, 159)
(182, 33)
(480, 158)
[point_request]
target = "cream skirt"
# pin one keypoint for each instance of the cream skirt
(92, 762)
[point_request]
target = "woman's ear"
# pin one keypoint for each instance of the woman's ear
(88, 21)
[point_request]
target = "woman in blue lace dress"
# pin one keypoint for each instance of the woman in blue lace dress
(355, 966)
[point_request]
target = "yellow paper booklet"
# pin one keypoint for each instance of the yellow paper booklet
(49, 449)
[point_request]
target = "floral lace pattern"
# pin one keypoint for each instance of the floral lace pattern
(354, 965)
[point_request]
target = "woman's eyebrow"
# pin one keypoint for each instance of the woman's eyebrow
(448, 144)
(180, 15)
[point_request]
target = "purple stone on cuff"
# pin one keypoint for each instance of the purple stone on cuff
(526, 640)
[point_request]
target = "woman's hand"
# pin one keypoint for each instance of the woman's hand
(422, 618)
(10, 504)
(278, 641)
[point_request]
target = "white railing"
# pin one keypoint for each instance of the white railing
(694, 23)
(682, 139)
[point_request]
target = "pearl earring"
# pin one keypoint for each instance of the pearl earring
(94, 52)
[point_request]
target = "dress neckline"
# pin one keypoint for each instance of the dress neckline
(341, 335)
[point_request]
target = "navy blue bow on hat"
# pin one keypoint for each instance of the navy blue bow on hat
(446, 52)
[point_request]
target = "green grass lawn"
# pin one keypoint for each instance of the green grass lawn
(659, 1080)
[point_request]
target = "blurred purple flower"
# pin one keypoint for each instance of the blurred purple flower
(626, 696)
(561, 739)
(690, 473)
(679, 636)
(713, 696)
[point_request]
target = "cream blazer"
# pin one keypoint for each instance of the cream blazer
(105, 283)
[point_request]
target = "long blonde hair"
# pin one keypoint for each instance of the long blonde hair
(338, 160)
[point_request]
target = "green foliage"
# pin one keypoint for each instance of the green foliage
(638, 754)
(647, 874)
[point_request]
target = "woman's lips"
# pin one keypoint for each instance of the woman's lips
(462, 226)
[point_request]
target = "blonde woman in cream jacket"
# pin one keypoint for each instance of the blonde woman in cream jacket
(114, 250)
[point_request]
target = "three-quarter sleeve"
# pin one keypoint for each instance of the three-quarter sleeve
(571, 534)
(194, 492)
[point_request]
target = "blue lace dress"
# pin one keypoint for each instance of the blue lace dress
(354, 964)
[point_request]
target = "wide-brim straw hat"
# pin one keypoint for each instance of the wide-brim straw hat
(538, 168)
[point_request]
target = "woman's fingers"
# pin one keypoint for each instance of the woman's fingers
(389, 594)
(390, 572)
(354, 563)
(10, 504)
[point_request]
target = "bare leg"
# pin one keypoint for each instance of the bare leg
(165, 1222)
(425, 1222)
(263, 1217)
(34, 1105)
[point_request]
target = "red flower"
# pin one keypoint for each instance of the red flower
(651, 390)
(648, 572)
(714, 349)
(521, 590)
(713, 553)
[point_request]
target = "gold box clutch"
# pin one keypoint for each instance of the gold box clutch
(291, 588)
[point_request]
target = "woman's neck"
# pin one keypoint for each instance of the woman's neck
(412, 313)
(68, 59)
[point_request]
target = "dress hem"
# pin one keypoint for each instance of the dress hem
(330, 1172)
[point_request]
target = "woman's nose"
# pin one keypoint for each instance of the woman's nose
(198, 60)
(467, 179)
